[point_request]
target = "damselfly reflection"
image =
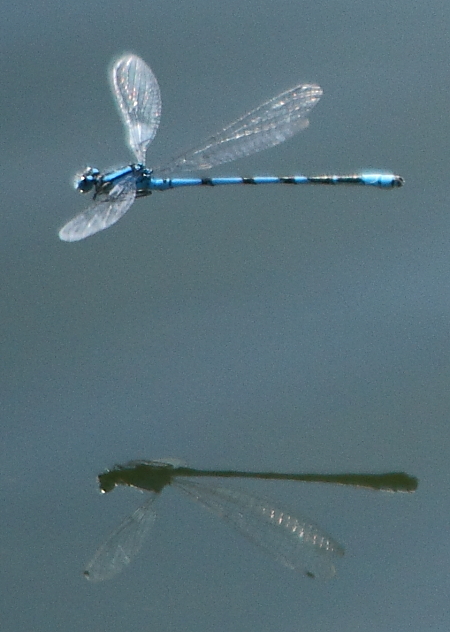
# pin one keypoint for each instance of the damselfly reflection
(294, 541)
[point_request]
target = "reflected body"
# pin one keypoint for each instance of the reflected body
(137, 95)
(294, 541)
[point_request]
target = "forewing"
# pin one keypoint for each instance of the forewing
(295, 542)
(139, 100)
(270, 124)
(123, 544)
(104, 212)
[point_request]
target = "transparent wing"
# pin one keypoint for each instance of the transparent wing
(293, 541)
(270, 124)
(122, 545)
(107, 210)
(138, 97)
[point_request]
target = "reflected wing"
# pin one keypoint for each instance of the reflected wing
(293, 541)
(107, 210)
(122, 545)
(270, 124)
(138, 97)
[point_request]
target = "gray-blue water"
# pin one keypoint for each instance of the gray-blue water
(303, 329)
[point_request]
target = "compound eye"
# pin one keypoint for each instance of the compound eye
(86, 181)
(85, 184)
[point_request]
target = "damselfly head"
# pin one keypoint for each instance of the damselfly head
(107, 481)
(87, 180)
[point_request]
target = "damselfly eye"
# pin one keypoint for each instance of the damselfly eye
(86, 181)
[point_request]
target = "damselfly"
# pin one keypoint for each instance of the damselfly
(137, 94)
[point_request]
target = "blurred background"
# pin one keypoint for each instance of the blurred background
(269, 328)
